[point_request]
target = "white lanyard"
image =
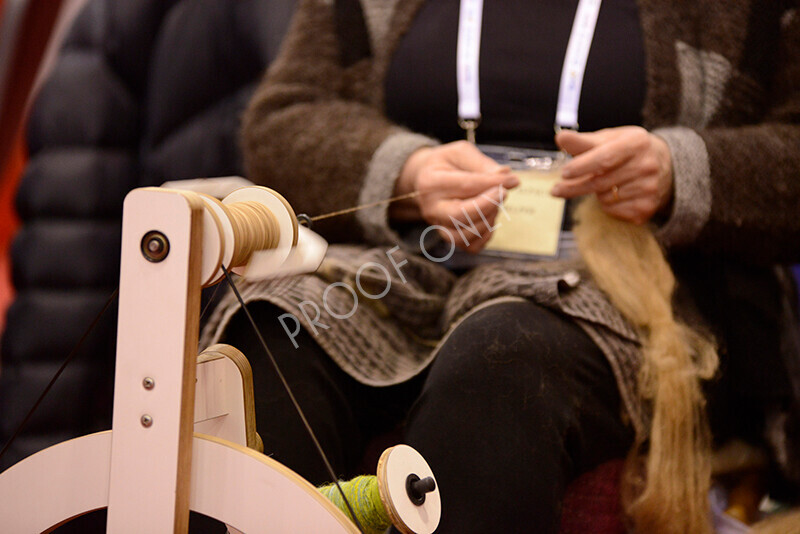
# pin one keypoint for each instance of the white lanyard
(569, 90)
(580, 41)
(470, 20)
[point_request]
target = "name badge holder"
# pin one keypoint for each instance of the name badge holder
(530, 224)
(532, 228)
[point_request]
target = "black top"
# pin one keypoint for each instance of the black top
(522, 51)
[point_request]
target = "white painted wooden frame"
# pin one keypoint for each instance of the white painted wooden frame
(150, 470)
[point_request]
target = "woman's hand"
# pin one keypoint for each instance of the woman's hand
(628, 168)
(456, 183)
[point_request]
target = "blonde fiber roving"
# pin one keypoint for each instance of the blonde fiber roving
(628, 265)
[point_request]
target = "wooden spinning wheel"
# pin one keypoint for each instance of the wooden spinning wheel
(182, 437)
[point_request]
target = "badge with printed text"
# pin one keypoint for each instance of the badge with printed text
(530, 220)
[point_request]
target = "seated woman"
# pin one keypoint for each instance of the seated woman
(517, 376)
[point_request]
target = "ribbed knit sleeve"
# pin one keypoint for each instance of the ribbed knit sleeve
(737, 186)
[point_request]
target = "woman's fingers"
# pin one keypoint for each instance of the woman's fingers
(599, 183)
(635, 210)
(461, 190)
(478, 212)
(600, 160)
(628, 203)
(458, 184)
(466, 156)
(469, 223)
(575, 143)
(627, 168)
(452, 170)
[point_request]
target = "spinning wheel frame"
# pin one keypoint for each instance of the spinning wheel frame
(152, 444)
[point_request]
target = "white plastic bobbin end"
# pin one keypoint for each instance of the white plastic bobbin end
(217, 240)
(412, 512)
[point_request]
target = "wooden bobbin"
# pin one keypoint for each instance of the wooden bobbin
(396, 465)
(247, 222)
(282, 222)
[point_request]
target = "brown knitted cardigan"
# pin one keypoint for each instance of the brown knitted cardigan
(723, 90)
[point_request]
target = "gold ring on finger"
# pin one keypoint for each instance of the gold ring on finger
(615, 192)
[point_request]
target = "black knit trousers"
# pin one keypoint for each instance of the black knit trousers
(518, 402)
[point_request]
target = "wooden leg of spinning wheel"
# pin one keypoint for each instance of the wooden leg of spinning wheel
(158, 325)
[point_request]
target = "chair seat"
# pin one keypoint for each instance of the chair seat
(592, 502)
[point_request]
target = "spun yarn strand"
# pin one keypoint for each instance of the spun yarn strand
(254, 228)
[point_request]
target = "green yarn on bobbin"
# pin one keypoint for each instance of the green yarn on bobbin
(363, 495)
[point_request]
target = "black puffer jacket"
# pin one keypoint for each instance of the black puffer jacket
(143, 92)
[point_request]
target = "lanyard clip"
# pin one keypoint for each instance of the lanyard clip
(469, 126)
(558, 128)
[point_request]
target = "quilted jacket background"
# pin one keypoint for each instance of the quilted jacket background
(143, 92)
